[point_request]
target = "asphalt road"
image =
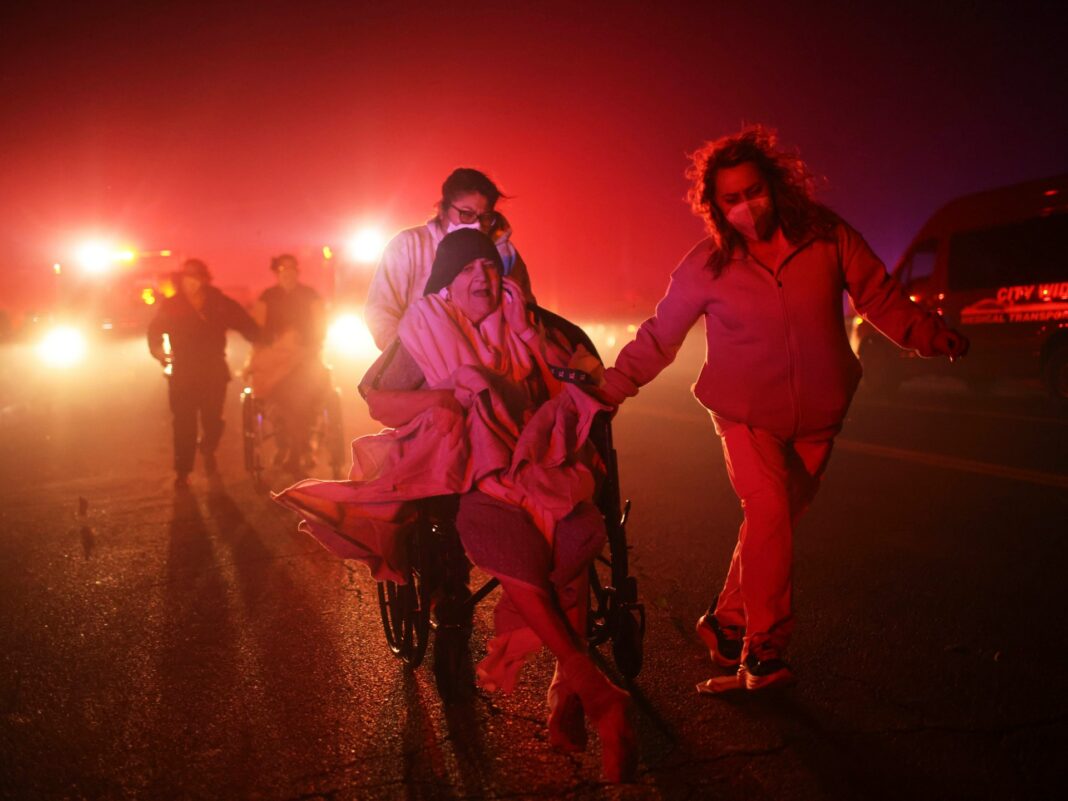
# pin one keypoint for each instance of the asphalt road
(164, 646)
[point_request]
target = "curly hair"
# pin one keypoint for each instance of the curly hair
(790, 183)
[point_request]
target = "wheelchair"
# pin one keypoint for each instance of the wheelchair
(259, 430)
(435, 598)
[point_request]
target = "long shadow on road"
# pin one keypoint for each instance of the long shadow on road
(198, 664)
(252, 689)
(297, 674)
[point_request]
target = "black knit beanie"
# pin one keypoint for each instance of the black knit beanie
(455, 252)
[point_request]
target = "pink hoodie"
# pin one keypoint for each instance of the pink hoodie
(777, 355)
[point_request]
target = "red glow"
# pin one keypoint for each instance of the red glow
(234, 136)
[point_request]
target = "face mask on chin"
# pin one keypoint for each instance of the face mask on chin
(457, 226)
(753, 219)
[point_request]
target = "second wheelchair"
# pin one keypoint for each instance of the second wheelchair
(264, 434)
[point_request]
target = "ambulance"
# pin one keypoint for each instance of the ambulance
(995, 266)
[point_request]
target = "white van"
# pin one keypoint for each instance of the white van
(995, 265)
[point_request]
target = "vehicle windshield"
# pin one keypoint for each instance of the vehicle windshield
(1031, 251)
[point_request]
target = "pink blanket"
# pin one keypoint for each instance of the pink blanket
(533, 455)
(269, 365)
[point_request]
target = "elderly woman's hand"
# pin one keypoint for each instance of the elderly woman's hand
(514, 303)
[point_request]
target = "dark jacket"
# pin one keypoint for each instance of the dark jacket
(198, 338)
(299, 309)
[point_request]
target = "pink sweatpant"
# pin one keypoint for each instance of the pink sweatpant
(776, 480)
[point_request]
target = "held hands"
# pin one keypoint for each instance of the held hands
(951, 343)
(610, 399)
(514, 304)
(608, 395)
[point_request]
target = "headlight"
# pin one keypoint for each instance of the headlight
(62, 347)
(99, 258)
(366, 246)
(348, 336)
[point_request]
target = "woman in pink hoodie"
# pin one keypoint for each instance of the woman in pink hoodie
(778, 374)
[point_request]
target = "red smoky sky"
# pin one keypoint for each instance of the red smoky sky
(233, 132)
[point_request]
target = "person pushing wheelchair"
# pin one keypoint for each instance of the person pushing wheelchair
(286, 368)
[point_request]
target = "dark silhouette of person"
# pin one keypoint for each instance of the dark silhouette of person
(195, 321)
(288, 371)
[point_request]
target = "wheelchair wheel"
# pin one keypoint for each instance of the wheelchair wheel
(628, 638)
(333, 434)
(615, 613)
(405, 610)
(597, 628)
(252, 435)
(453, 618)
(454, 672)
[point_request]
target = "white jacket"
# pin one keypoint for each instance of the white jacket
(405, 267)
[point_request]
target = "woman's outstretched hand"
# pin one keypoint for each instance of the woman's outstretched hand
(951, 343)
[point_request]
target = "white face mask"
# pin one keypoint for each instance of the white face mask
(457, 226)
(752, 218)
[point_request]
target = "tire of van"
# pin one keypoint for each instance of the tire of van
(1055, 371)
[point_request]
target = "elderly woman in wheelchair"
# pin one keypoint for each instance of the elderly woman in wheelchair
(484, 417)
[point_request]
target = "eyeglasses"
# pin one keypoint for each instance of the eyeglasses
(470, 215)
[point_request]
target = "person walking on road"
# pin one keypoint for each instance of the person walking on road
(286, 368)
(195, 322)
(779, 373)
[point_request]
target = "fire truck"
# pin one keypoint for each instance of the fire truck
(103, 293)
